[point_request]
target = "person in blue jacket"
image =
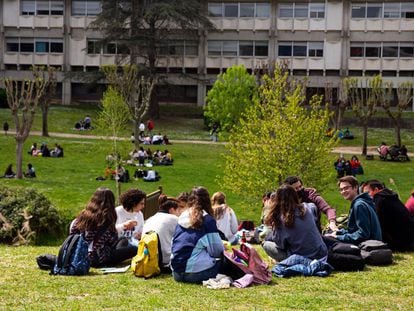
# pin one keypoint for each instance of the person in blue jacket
(363, 223)
(196, 246)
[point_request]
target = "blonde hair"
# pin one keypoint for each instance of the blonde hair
(218, 202)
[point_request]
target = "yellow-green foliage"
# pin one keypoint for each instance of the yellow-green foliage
(278, 137)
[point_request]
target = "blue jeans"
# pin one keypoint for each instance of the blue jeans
(197, 277)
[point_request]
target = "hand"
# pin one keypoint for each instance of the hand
(138, 235)
(130, 224)
(332, 226)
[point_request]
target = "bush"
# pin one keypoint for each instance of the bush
(26, 216)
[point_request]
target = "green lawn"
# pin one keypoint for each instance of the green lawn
(70, 181)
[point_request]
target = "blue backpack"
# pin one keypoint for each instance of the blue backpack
(73, 257)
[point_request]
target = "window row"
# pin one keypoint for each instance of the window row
(382, 10)
(260, 9)
(302, 10)
(179, 48)
(238, 48)
(300, 49)
(392, 50)
(36, 45)
(41, 7)
(95, 47)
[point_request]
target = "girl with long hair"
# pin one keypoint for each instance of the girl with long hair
(225, 217)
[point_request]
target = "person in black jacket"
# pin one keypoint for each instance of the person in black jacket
(397, 224)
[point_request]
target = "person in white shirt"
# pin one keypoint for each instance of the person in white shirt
(225, 217)
(130, 220)
(164, 223)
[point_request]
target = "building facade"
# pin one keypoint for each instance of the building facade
(323, 40)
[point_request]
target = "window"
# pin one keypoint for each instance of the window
(406, 50)
(390, 50)
(231, 9)
(110, 48)
(246, 48)
(122, 49)
(374, 10)
(286, 10)
(214, 48)
(246, 9)
(301, 10)
(215, 10)
(372, 50)
(93, 47)
(315, 49)
(12, 44)
(93, 7)
(299, 49)
(42, 46)
(358, 11)
(262, 9)
(56, 7)
(392, 10)
(42, 7)
(56, 46)
(357, 50)
(26, 45)
(230, 48)
(285, 49)
(176, 48)
(261, 48)
(85, 7)
(317, 10)
(407, 10)
(191, 48)
(28, 7)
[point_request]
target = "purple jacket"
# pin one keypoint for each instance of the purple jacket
(311, 196)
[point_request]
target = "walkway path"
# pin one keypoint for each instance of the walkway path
(345, 150)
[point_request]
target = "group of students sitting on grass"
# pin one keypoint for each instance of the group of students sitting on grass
(29, 173)
(142, 157)
(345, 167)
(192, 227)
(44, 151)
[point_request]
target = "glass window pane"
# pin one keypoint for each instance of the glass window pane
(390, 50)
(93, 7)
(317, 10)
(214, 48)
(374, 10)
(358, 11)
(110, 48)
(56, 7)
(262, 9)
(42, 47)
(372, 50)
(176, 48)
(229, 48)
(123, 49)
(357, 50)
(406, 50)
(315, 49)
(56, 46)
(26, 47)
(299, 49)
(246, 48)
(28, 7)
(92, 47)
(191, 48)
(285, 49)
(246, 9)
(301, 10)
(286, 10)
(407, 10)
(231, 9)
(261, 48)
(12, 45)
(392, 10)
(78, 7)
(215, 10)
(42, 7)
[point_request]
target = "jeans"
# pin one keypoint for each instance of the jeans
(273, 251)
(197, 277)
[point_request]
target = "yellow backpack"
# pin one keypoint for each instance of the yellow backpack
(149, 257)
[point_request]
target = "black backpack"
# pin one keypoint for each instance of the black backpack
(344, 256)
(376, 253)
(73, 257)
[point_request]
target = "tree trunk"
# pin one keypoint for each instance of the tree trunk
(45, 129)
(136, 133)
(19, 158)
(398, 134)
(365, 138)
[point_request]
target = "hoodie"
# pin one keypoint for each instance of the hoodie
(363, 223)
(397, 224)
(195, 250)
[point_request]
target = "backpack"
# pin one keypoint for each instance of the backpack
(148, 261)
(73, 257)
(344, 256)
(376, 253)
(247, 261)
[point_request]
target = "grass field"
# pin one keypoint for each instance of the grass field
(69, 182)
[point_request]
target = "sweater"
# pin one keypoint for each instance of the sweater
(363, 223)
(164, 225)
(410, 205)
(122, 216)
(228, 224)
(195, 250)
(310, 195)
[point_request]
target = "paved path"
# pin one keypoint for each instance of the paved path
(344, 150)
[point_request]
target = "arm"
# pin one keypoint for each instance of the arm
(322, 205)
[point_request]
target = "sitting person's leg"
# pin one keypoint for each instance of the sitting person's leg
(273, 251)
(198, 277)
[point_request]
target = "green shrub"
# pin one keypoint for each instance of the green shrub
(26, 216)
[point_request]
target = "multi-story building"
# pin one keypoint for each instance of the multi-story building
(324, 40)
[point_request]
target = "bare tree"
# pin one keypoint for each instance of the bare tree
(364, 97)
(136, 91)
(23, 98)
(48, 75)
(404, 97)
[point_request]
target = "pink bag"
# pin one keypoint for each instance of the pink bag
(249, 262)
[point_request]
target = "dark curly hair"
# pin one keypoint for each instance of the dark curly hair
(131, 197)
(199, 201)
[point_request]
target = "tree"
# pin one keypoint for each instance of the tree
(49, 94)
(136, 91)
(231, 94)
(277, 137)
(23, 97)
(404, 97)
(144, 26)
(363, 97)
(112, 119)
(336, 104)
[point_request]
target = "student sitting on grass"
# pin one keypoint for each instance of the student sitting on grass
(9, 172)
(196, 246)
(30, 173)
(225, 217)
